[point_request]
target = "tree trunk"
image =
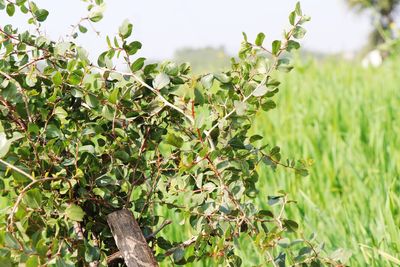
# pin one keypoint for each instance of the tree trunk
(130, 240)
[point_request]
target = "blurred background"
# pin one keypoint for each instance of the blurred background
(340, 106)
(177, 28)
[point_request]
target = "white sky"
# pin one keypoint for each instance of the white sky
(163, 26)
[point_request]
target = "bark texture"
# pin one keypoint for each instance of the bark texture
(130, 240)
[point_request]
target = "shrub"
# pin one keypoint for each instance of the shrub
(80, 140)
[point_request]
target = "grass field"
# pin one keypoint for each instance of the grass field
(346, 118)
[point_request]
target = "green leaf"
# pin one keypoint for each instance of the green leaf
(101, 61)
(125, 30)
(75, 213)
(260, 39)
(96, 16)
(53, 131)
(292, 45)
(133, 47)
(173, 140)
(10, 241)
(82, 29)
(273, 200)
(260, 91)
(202, 116)
(41, 14)
(2, 5)
(284, 65)
(60, 113)
(92, 254)
(87, 148)
(299, 32)
(10, 9)
(75, 77)
(33, 198)
(31, 79)
(284, 243)
(244, 37)
(298, 10)
(114, 95)
(161, 81)
(33, 261)
(276, 47)
(265, 213)
(178, 255)
(255, 138)
(304, 19)
(240, 107)
(61, 48)
(292, 18)
(268, 105)
(76, 93)
(57, 79)
(122, 155)
(207, 81)
(291, 226)
(108, 112)
(222, 77)
(302, 172)
(138, 64)
(92, 101)
(6, 143)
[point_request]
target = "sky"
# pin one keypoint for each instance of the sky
(164, 26)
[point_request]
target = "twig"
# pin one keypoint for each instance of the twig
(184, 244)
(24, 97)
(132, 184)
(273, 67)
(271, 259)
(78, 230)
(22, 194)
(162, 226)
(156, 92)
(115, 256)
(208, 132)
(17, 170)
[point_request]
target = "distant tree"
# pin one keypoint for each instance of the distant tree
(205, 59)
(383, 13)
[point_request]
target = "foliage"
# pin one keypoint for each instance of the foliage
(81, 139)
(383, 12)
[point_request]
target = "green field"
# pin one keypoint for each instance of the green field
(346, 119)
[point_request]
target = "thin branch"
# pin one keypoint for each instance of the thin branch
(78, 230)
(17, 170)
(24, 97)
(273, 67)
(162, 226)
(113, 257)
(208, 132)
(31, 62)
(22, 194)
(184, 244)
(156, 92)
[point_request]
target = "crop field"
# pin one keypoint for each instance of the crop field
(345, 118)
